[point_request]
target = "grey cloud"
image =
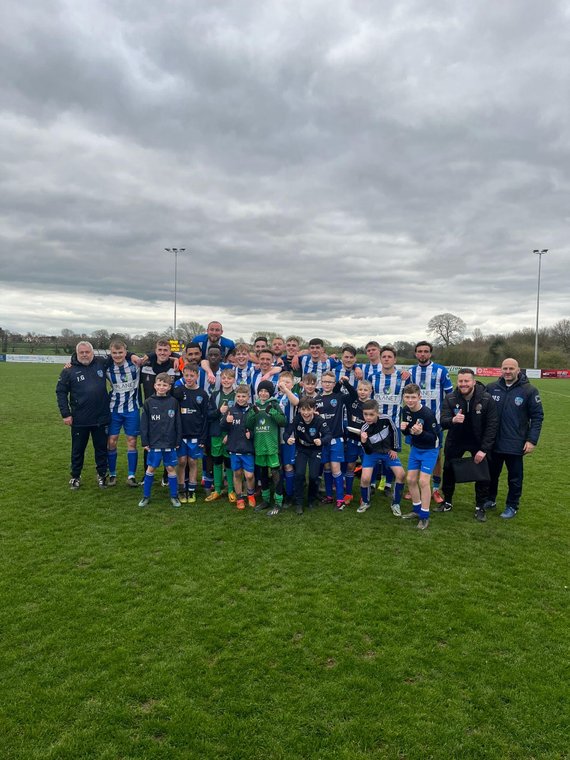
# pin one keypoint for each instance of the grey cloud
(331, 160)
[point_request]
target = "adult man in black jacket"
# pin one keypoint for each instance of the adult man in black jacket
(520, 421)
(470, 417)
(83, 402)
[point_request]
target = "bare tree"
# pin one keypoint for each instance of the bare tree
(447, 328)
(187, 331)
(477, 335)
(561, 333)
(100, 338)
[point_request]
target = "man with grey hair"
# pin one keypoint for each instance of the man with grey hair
(83, 402)
(520, 420)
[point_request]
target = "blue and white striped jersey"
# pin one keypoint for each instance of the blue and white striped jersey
(434, 382)
(124, 380)
(387, 392)
(288, 410)
(243, 374)
(340, 371)
(202, 381)
(224, 345)
(317, 368)
(370, 370)
(286, 407)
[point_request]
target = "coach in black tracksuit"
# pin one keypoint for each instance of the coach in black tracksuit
(83, 401)
(470, 417)
(521, 415)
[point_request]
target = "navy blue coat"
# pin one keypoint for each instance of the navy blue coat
(82, 393)
(520, 414)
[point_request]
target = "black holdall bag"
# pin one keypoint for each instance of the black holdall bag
(466, 471)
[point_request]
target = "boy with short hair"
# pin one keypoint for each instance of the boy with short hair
(193, 403)
(347, 366)
(388, 386)
(315, 361)
(220, 403)
(291, 351)
(419, 422)
(331, 405)
(239, 443)
(155, 362)
(309, 386)
(288, 401)
(355, 420)
(264, 419)
(378, 435)
(309, 432)
(124, 377)
(161, 433)
(244, 367)
(374, 366)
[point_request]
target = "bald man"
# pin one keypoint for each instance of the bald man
(520, 420)
(214, 336)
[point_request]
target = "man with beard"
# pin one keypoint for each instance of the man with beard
(470, 417)
(520, 421)
(433, 380)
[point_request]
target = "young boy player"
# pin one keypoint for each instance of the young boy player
(421, 424)
(194, 420)
(309, 432)
(161, 433)
(378, 435)
(238, 441)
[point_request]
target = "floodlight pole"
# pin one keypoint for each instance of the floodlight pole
(175, 251)
(540, 254)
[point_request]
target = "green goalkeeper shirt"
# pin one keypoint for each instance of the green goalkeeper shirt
(265, 420)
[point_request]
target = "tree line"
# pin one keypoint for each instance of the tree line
(446, 330)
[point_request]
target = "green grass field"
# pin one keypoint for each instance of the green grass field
(208, 633)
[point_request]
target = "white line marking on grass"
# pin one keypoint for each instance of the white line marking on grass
(554, 393)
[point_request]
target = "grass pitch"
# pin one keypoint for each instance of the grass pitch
(207, 633)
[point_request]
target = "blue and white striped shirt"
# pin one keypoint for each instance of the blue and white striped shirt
(124, 381)
(387, 392)
(307, 365)
(434, 382)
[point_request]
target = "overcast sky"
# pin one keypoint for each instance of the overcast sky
(343, 169)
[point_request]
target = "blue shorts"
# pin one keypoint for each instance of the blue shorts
(352, 450)
(422, 459)
(190, 448)
(130, 421)
(333, 451)
(242, 462)
(371, 460)
(287, 453)
(168, 456)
